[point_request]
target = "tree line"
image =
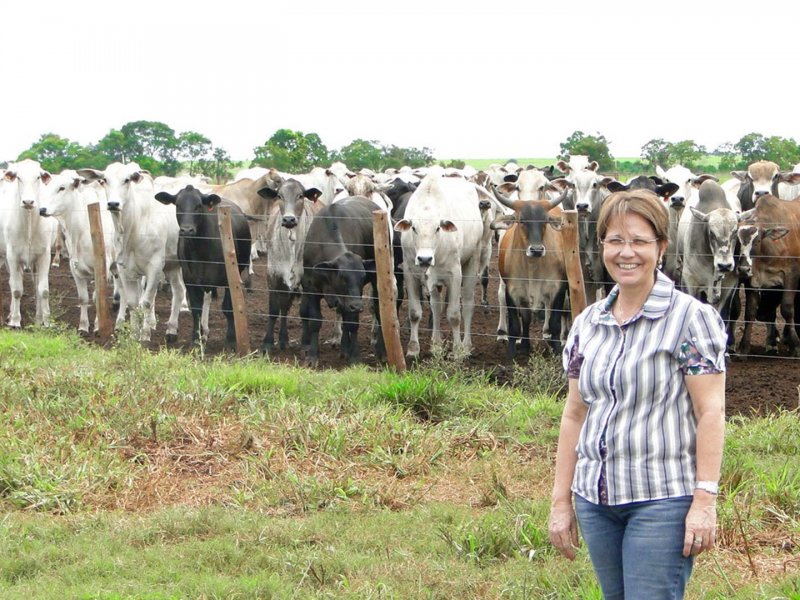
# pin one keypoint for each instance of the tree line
(162, 151)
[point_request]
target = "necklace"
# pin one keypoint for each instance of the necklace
(626, 315)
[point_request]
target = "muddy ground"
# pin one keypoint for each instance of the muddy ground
(757, 384)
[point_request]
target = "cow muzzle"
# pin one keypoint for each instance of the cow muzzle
(188, 230)
(28, 204)
(289, 221)
(424, 260)
(582, 207)
(535, 251)
(43, 212)
(113, 206)
(677, 202)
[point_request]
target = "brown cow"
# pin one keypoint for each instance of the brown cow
(531, 264)
(770, 236)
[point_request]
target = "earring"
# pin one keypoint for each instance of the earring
(660, 262)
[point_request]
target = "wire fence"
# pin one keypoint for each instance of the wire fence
(64, 302)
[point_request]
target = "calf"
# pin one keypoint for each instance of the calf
(200, 254)
(338, 261)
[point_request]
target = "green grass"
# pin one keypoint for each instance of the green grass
(129, 474)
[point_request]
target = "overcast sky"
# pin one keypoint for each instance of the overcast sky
(467, 79)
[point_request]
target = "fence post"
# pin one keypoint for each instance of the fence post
(384, 266)
(572, 262)
(234, 282)
(100, 272)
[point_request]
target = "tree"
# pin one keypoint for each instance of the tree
(686, 153)
(114, 147)
(360, 154)
(782, 151)
(751, 147)
(218, 167)
(192, 147)
(593, 146)
(55, 153)
(291, 151)
(656, 152)
(397, 156)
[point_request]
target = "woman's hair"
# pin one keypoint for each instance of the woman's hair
(639, 202)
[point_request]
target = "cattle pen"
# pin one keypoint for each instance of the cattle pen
(758, 383)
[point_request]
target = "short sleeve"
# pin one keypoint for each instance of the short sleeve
(702, 350)
(571, 357)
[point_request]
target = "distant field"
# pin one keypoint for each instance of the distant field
(483, 163)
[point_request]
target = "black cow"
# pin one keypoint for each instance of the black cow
(339, 260)
(200, 250)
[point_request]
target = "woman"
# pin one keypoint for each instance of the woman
(642, 431)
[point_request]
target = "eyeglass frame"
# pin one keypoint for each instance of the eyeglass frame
(618, 243)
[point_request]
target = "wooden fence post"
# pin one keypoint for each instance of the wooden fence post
(100, 272)
(572, 262)
(234, 282)
(387, 300)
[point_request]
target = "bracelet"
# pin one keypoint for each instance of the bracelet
(710, 487)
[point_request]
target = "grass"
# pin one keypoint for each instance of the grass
(130, 474)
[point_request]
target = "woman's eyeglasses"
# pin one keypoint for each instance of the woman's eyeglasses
(617, 243)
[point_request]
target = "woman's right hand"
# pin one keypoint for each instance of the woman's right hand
(563, 528)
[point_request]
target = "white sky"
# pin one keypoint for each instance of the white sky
(467, 79)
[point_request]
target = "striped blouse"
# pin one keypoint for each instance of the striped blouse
(638, 440)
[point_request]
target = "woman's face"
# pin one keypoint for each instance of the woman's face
(631, 251)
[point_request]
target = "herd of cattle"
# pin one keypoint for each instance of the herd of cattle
(316, 230)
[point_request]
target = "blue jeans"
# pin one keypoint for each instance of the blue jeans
(636, 549)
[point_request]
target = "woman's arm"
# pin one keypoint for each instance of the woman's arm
(708, 400)
(563, 526)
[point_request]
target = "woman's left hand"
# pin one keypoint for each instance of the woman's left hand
(701, 524)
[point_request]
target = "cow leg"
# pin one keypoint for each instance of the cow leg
(204, 330)
(82, 286)
(227, 310)
(195, 296)
(555, 319)
(485, 289)
(435, 294)
(42, 278)
(16, 285)
(454, 312)
(283, 332)
(350, 336)
(311, 314)
(787, 311)
(469, 283)
(175, 278)
(273, 313)
(502, 323)
(414, 289)
(377, 329)
(132, 292)
(514, 326)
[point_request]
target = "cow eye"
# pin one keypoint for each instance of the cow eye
(61, 188)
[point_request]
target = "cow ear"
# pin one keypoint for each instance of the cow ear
(555, 223)
(45, 177)
(507, 188)
(91, 174)
(593, 166)
(561, 184)
(700, 216)
(501, 223)
(165, 198)
(402, 225)
(10, 176)
(211, 200)
(325, 269)
(740, 175)
(617, 186)
(448, 226)
(76, 182)
(313, 194)
(562, 166)
(268, 193)
(666, 190)
(370, 266)
(776, 233)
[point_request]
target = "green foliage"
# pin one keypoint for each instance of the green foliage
(593, 146)
(291, 151)
(659, 152)
(192, 147)
(370, 154)
(217, 167)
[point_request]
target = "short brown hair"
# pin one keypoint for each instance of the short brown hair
(641, 202)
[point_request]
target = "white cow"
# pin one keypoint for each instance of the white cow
(441, 238)
(67, 198)
(148, 234)
(27, 237)
(789, 191)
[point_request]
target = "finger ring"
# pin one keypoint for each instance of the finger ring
(698, 540)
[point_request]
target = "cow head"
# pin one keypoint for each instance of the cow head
(191, 205)
(426, 233)
(290, 199)
(343, 280)
(61, 195)
(122, 184)
(30, 179)
(721, 227)
(761, 178)
(585, 180)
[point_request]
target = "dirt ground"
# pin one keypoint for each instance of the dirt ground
(754, 385)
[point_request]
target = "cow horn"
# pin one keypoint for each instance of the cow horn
(504, 200)
(558, 200)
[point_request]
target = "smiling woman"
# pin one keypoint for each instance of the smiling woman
(640, 446)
